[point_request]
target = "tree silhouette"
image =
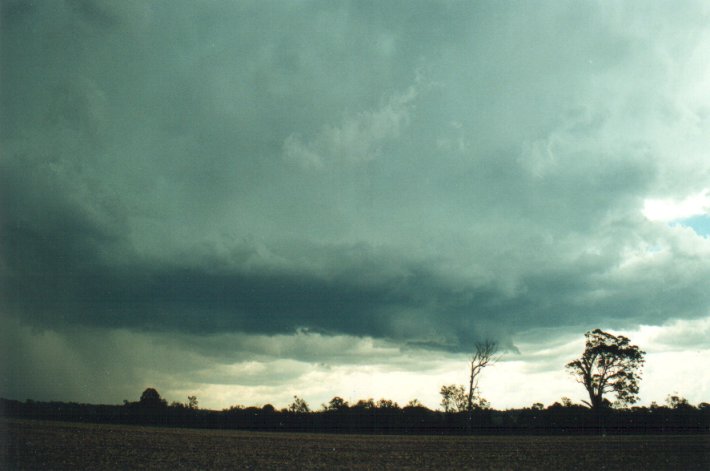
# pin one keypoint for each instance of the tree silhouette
(336, 404)
(414, 403)
(609, 364)
(482, 357)
(151, 399)
(676, 401)
(365, 404)
(298, 406)
(387, 404)
(192, 402)
(453, 398)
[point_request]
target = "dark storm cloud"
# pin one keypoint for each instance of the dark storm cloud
(66, 265)
(62, 267)
(431, 173)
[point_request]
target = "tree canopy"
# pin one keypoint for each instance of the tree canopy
(609, 364)
(299, 406)
(151, 398)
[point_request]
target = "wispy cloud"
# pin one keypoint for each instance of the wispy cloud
(358, 139)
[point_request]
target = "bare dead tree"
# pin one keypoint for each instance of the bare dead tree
(483, 356)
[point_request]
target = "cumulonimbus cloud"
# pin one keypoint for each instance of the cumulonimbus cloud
(248, 170)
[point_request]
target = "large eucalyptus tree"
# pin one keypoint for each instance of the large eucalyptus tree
(609, 364)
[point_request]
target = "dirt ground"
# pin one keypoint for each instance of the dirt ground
(57, 445)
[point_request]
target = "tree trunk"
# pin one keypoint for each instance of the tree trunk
(596, 399)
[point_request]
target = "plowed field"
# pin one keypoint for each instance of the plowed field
(57, 445)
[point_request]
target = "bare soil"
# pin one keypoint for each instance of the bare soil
(32, 445)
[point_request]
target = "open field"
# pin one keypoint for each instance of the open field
(30, 444)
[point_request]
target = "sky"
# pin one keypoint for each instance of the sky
(251, 200)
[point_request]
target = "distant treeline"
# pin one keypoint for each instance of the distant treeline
(383, 417)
